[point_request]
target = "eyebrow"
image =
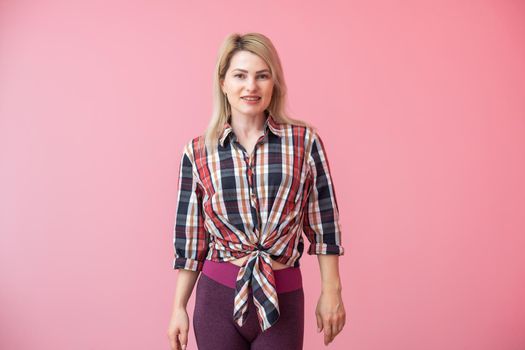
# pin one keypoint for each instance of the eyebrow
(259, 71)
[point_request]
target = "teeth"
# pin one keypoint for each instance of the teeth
(251, 98)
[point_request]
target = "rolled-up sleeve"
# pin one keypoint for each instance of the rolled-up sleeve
(321, 215)
(190, 238)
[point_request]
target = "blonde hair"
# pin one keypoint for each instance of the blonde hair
(260, 45)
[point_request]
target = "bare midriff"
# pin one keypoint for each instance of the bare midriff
(275, 264)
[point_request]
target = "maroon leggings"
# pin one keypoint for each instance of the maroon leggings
(213, 322)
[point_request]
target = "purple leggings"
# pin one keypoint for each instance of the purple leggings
(213, 322)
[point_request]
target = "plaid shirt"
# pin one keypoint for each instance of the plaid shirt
(232, 204)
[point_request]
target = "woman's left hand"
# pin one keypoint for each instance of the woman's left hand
(330, 314)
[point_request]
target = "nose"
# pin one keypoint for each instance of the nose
(251, 84)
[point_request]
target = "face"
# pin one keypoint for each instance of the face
(248, 75)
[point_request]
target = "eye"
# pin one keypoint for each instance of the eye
(238, 75)
(265, 76)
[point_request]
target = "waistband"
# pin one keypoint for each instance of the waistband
(225, 273)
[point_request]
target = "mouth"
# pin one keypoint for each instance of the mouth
(251, 98)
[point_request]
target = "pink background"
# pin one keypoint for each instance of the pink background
(422, 108)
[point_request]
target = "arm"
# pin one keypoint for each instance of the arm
(186, 280)
(190, 242)
(330, 280)
(330, 311)
(323, 229)
(179, 323)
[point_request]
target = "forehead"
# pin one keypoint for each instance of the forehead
(248, 61)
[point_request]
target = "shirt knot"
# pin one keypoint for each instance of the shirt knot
(256, 276)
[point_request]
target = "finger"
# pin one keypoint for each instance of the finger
(183, 337)
(334, 331)
(319, 323)
(336, 327)
(340, 327)
(327, 332)
(172, 335)
(177, 344)
(342, 324)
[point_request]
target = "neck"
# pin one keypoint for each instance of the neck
(245, 126)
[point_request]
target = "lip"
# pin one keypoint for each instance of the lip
(251, 102)
(251, 96)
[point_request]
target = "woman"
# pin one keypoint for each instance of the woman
(248, 188)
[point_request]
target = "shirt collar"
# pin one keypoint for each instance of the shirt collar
(270, 123)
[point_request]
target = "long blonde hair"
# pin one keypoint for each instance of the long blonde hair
(260, 45)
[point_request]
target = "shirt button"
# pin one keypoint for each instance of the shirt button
(253, 195)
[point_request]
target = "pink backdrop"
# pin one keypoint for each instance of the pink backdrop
(422, 107)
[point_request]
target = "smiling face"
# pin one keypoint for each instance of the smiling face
(248, 76)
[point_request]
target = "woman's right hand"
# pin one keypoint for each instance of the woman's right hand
(178, 329)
